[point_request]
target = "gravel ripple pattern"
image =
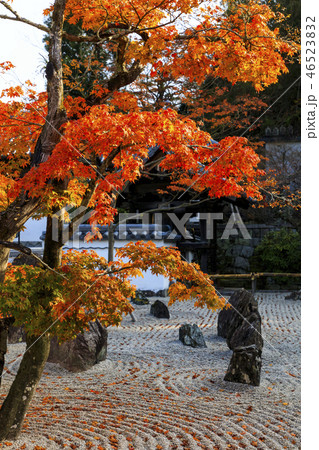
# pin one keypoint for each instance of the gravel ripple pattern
(154, 393)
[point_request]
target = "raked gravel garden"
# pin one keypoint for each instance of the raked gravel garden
(152, 392)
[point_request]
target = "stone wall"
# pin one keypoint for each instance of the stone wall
(233, 254)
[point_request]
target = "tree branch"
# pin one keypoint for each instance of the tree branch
(18, 18)
(27, 251)
(121, 79)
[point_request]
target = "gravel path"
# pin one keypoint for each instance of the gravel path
(154, 393)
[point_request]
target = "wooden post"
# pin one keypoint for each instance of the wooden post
(111, 242)
(203, 252)
(133, 317)
(253, 284)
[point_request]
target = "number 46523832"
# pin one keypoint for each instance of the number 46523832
(310, 44)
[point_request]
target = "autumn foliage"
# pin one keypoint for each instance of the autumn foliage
(103, 142)
(85, 139)
(42, 300)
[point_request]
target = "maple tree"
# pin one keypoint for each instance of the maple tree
(82, 150)
(42, 300)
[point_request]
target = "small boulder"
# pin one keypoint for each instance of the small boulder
(191, 335)
(140, 298)
(16, 335)
(83, 352)
(159, 310)
(243, 304)
(248, 333)
(245, 366)
(28, 260)
(295, 295)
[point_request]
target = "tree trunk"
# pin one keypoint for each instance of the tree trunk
(11, 222)
(15, 216)
(4, 327)
(16, 404)
(23, 387)
(53, 243)
(111, 243)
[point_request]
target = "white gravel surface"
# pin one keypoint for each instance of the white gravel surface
(154, 393)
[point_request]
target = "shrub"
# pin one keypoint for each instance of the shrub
(279, 251)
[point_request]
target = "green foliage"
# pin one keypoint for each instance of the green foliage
(26, 294)
(65, 301)
(84, 62)
(279, 251)
(286, 111)
(86, 287)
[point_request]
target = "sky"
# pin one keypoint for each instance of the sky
(22, 44)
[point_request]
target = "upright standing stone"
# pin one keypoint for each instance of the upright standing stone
(242, 304)
(248, 333)
(245, 366)
(159, 310)
(241, 326)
